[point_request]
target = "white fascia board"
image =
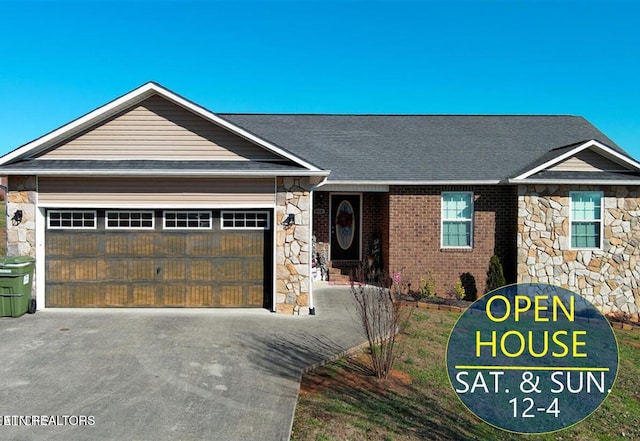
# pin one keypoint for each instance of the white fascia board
(356, 187)
(163, 173)
(128, 100)
(592, 143)
(421, 182)
(156, 206)
(574, 182)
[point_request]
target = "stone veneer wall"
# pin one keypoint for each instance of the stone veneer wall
(609, 277)
(293, 247)
(21, 238)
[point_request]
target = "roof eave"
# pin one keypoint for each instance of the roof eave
(164, 173)
(576, 181)
(415, 182)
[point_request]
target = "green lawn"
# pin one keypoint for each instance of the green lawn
(340, 401)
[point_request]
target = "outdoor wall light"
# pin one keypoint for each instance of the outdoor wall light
(17, 218)
(289, 220)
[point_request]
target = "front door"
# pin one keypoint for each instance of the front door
(345, 226)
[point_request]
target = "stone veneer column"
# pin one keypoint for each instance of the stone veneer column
(609, 277)
(22, 195)
(292, 246)
(21, 238)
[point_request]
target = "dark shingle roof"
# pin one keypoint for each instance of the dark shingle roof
(420, 147)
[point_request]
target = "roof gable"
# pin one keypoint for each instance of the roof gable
(109, 115)
(588, 158)
(157, 129)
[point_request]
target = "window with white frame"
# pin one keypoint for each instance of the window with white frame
(76, 219)
(457, 219)
(586, 219)
(246, 220)
(129, 220)
(187, 220)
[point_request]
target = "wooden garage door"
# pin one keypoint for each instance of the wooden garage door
(156, 258)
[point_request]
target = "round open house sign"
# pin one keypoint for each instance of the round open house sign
(532, 358)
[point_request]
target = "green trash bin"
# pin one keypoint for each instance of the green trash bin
(16, 278)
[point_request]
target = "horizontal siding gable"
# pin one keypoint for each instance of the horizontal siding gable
(155, 192)
(589, 161)
(158, 129)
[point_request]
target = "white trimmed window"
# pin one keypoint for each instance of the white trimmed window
(76, 219)
(457, 219)
(586, 219)
(245, 220)
(187, 220)
(129, 220)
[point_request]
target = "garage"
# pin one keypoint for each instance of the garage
(158, 258)
(154, 201)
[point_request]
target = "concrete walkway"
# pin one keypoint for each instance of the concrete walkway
(165, 374)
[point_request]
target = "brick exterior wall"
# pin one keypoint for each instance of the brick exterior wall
(321, 216)
(415, 235)
(408, 219)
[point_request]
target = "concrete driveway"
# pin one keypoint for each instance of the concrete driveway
(165, 374)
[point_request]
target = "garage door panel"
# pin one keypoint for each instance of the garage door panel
(200, 295)
(59, 245)
(253, 245)
(84, 269)
(174, 270)
(116, 295)
(200, 245)
(141, 270)
(255, 294)
(203, 270)
(89, 295)
(172, 245)
(142, 245)
(231, 270)
(254, 270)
(58, 295)
(230, 295)
(58, 270)
(145, 295)
(87, 245)
(116, 245)
(211, 267)
(231, 245)
(116, 270)
(174, 295)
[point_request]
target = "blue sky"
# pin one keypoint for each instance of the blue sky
(59, 60)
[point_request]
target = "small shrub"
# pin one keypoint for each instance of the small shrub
(380, 317)
(427, 288)
(495, 275)
(458, 290)
(469, 285)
